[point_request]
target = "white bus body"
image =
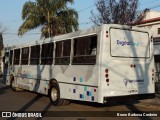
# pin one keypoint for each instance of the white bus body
(124, 66)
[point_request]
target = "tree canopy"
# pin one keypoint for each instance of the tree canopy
(117, 12)
(53, 16)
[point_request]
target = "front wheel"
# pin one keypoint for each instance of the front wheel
(54, 94)
(13, 85)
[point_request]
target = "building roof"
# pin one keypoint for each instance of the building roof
(146, 21)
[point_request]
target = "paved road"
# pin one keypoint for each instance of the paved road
(29, 101)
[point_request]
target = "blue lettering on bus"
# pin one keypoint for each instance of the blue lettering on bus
(26, 76)
(127, 81)
(129, 43)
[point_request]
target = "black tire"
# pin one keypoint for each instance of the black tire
(12, 84)
(54, 94)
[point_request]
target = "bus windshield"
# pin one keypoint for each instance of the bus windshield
(129, 43)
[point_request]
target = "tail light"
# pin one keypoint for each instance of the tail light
(153, 74)
(107, 76)
(106, 70)
(133, 66)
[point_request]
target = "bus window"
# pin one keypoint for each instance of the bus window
(10, 57)
(47, 54)
(25, 55)
(35, 54)
(16, 56)
(85, 50)
(62, 56)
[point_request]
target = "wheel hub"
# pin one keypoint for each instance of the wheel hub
(54, 94)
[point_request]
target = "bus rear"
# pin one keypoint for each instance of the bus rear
(127, 63)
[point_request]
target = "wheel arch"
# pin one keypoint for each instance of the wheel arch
(51, 82)
(11, 78)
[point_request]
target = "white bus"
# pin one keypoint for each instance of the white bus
(100, 64)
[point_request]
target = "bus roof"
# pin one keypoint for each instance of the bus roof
(80, 33)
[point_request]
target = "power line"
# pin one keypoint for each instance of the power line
(17, 33)
(79, 12)
(155, 6)
(149, 2)
(86, 8)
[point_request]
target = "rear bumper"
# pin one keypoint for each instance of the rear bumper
(128, 97)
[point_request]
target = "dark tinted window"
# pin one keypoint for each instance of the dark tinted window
(24, 56)
(63, 49)
(16, 56)
(59, 49)
(35, 54)
(85, 49)
(10, 57)
(158, 30)
(47, 54)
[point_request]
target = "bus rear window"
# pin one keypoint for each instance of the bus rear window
(129, 43)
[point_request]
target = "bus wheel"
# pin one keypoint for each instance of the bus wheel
(54, 94)
(13, 85)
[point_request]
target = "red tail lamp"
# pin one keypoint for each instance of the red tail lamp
(106, 75)
(153, 74)
(106, 70)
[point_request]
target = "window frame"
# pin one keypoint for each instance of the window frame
(25, 59)
(158, 31)
(60, 59)
(11, 57)
(85, 57)
(47, 60)
(34, 60)
(14, 60)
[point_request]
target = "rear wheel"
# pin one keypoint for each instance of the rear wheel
(54, 95)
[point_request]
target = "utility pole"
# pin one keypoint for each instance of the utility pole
(49, 24)
(1, 52)
(1, 44)
(49, 28)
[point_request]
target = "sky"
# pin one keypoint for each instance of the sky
(10, 18)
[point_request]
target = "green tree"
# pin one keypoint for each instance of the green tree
(53, 16)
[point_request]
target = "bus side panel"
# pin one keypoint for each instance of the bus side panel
(78, 92)
(78, 82)
(75, 82)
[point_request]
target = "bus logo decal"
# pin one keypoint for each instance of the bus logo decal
(129, 43)
(127, 81)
